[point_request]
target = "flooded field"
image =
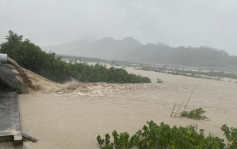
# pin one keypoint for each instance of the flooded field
(72, 119)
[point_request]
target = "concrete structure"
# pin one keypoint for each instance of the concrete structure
(10, 126)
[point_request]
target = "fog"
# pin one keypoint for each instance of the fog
(182, 22)
(95, 74)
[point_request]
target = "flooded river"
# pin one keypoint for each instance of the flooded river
(66, 120)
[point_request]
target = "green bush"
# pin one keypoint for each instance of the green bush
(153, 136)
(231, 136)
(194, 114)
(31, 57)
(20, 89)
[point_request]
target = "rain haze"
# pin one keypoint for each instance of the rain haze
(116, 74)
(176, 23)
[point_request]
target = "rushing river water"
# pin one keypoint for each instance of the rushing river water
(73, 120)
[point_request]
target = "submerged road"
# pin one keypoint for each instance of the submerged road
(10, 126)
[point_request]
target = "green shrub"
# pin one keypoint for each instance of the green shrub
(20, 89)
(31, 57)
(194, 114)
(231, 136)
(153, 136)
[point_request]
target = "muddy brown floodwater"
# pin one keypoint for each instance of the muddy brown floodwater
(65, 120)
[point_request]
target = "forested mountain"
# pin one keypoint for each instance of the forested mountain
(132, 50)
(186, 56)
(107, 48)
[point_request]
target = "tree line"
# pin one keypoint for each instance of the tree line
(183, 56)
(30, 56)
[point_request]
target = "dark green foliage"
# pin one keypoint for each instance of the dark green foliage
(20, 89)
(31, 57)
(196, 114)
(153, 136)
(231, 136)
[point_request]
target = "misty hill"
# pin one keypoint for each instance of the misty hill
(107, 48)
(132, 50)
(186, 56)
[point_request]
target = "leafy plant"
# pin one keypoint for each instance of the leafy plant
(153, 136)
(197, 114)
(231, 136)
(21, 89)
(31, 57)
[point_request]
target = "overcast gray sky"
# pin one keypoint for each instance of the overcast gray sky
(174, 22)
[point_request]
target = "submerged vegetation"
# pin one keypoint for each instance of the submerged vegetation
(158, 80)
(190, 73)
(153, 136)
(31, 57)
(197, 114)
